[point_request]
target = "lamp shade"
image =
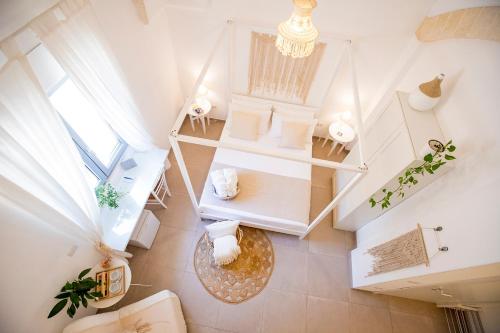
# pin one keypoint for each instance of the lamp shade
(297, 36)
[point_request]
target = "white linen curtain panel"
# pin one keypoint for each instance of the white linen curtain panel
(38, 159)
(72, 34)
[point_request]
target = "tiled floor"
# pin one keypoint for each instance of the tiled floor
(309, 290)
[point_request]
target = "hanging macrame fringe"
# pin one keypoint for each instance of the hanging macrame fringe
(404, 251)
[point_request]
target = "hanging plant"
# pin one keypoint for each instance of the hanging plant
(77, 291)
(107, 195)
(432, 162)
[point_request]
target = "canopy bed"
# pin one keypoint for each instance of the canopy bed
(274, 171)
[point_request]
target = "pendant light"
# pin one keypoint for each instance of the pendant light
(297, 35)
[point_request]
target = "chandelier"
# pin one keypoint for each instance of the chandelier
(297, 35)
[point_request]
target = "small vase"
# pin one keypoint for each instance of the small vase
(427, 95)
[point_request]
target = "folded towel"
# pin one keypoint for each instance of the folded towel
(219, 182)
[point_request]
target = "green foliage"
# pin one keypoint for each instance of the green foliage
(75, 292)
(107, 195)
(431, 163)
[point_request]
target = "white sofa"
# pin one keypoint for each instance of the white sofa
(162, 311)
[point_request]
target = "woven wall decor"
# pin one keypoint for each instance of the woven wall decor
(471, 23)
(243, 278)
(404, 251)
(271, 73)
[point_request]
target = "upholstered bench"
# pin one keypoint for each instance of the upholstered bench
(160, 312)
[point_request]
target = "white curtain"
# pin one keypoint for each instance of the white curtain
(72, 35)
(40, 166)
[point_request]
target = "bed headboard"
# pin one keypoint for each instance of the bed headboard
(276, 104)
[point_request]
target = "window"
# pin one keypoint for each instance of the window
(99, 146)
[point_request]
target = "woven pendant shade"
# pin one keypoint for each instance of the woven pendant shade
(297, 36)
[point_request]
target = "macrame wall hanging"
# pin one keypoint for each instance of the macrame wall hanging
(270, 73)
(404, 251)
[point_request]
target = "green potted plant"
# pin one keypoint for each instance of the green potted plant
(75, 292)
(108, 196)
(432, 162)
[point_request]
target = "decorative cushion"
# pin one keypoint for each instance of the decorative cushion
(226, 250)
(222, 228)
(294, 134)
(281, 115)
(244, 125)
(262, 110)
(297, 133)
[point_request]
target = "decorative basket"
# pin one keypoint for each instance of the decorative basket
(223, 197)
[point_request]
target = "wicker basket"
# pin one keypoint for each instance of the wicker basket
(226, 198)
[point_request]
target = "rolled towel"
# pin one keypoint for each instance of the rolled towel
(219, 182)
(231, 179)
(218, 177)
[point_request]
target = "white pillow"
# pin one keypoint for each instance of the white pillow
(244, 125)
(256, 105)
(226, 250)
(222, 228)
(263, 111)
(278, 117)
(293, 110)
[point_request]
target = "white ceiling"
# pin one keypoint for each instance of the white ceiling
(16, 13)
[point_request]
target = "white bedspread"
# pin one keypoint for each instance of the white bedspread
(275, 193)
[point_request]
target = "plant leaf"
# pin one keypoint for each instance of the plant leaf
(58, 307)
(449, 157)
(428, 158)
(451, 148)
(68, 286)
(96, 294)
(71, 310)
(63, 295)
(84, 302)
(83, 273)
(74, 298)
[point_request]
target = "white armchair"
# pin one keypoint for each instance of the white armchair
(225, 237)
(159, 313)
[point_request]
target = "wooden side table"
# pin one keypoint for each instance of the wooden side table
(105, 303)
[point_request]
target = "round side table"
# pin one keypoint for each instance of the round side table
(115, 262)
(341, 133)
(203, 106)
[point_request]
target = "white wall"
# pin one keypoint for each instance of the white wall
(146, 56)
(35, 266)
(465, 200)
(380, 31)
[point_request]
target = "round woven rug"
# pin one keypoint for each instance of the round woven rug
(243, 278)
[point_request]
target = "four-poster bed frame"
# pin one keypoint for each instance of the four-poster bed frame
(175, 137)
